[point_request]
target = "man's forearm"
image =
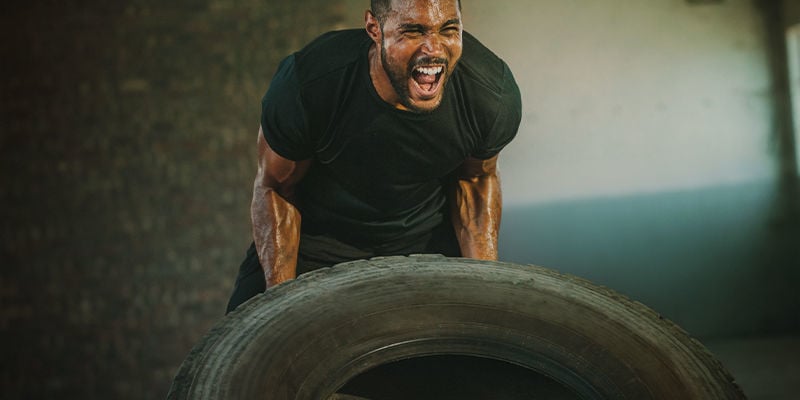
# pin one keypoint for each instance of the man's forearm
(276, 232)
(476, 207)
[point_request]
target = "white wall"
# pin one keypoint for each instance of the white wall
(626, 97)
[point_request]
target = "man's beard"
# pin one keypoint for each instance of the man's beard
(399, 78)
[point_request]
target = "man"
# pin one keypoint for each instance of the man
(377, 142)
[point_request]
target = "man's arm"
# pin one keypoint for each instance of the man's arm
(476, 207)
(276, 222)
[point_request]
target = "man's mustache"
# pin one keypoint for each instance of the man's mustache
(423, 61)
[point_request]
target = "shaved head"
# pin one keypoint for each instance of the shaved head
(380, 8)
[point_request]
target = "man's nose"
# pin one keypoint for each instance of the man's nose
(432, 45)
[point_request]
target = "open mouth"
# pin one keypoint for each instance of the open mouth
(427, 79)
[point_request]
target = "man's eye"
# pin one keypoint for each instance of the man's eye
(412, 33)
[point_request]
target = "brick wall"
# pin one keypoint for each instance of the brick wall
(127, 156)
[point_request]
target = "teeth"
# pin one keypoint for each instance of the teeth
(429, 70)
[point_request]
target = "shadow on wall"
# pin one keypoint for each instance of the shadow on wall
(717, 261)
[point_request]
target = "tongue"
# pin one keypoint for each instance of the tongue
(425, 81)
(426, 86)
(425, 78)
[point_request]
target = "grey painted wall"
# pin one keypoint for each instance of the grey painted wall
(647, 159)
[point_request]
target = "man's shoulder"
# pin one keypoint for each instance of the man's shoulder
(329, 53)
(479, 65)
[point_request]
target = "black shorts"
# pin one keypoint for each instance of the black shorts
(319, 251)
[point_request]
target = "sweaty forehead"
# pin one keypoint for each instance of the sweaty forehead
(424, 12)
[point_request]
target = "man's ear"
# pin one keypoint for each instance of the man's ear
(373, 26)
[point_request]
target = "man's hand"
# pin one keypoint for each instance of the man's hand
(276, 222)
(476, 208)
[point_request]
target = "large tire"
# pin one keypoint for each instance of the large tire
(307, 338)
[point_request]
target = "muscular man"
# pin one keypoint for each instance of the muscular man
(381, 141)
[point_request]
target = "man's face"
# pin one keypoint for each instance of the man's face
(420, 48)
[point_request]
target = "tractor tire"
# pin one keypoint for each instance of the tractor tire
(309, 337)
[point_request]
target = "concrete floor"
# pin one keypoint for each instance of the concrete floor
(767, 368)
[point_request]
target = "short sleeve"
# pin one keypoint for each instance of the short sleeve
(506, 122)
(283, 118)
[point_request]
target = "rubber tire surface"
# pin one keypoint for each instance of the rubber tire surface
(306, 338)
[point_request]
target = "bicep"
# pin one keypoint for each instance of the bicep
(275, 171)
(473, 168)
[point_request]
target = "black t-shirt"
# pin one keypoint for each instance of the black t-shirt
(377, 173)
